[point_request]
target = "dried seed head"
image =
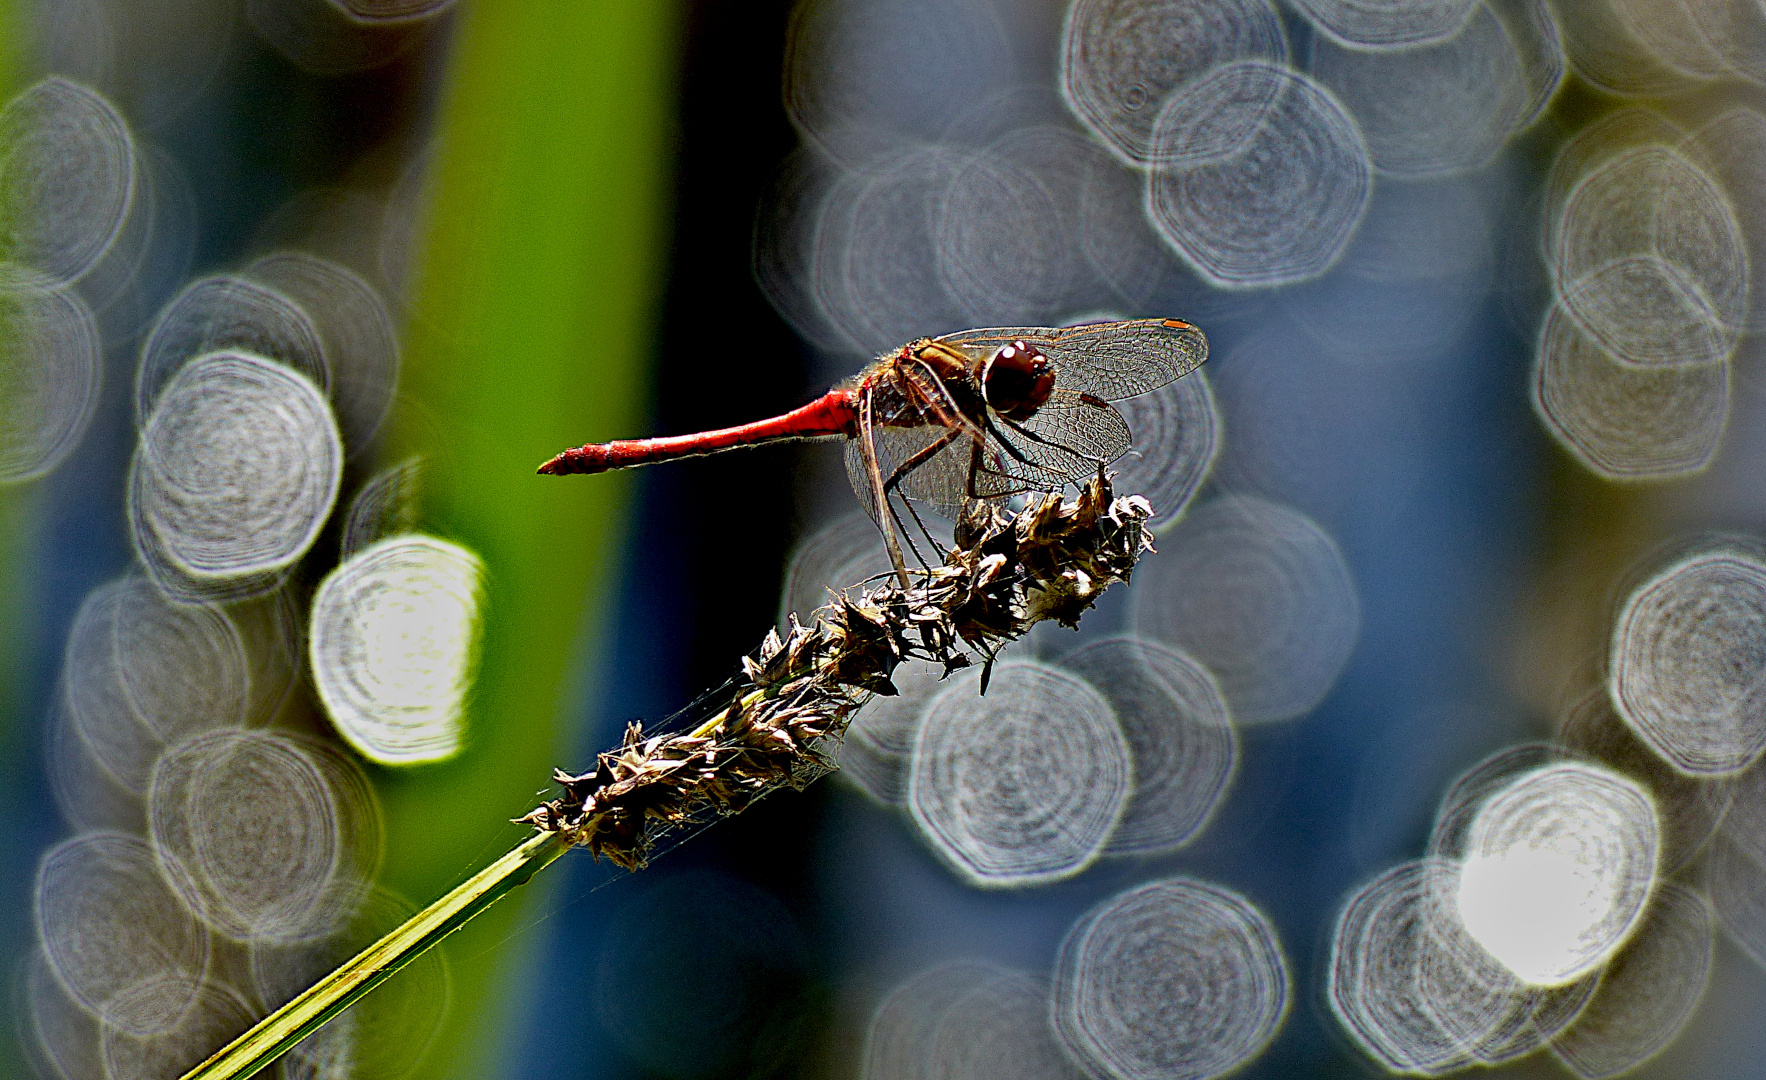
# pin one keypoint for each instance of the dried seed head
(788, 709)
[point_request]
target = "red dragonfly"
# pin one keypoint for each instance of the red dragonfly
(981, 414)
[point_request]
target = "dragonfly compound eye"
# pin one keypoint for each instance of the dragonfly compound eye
(1017, 380)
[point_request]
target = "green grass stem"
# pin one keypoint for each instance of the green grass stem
(282, 1029)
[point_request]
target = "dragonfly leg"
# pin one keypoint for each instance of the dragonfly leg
(1034, 437)
(1010, 447)
(867, 450)
(978, 465)
(1018, 455)
(892, 486)
(931, 541)
(907, 534)
(975, 460)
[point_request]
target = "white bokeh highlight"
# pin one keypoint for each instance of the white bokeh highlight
(1559, 865)
(394, 644)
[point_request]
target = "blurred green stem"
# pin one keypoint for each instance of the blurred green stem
(279, 1031)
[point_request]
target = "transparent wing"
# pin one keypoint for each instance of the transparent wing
(1065, 441)
(941, 481)
(861, 484)
(1112, 360)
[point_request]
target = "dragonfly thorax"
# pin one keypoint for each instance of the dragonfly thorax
(1017, 380)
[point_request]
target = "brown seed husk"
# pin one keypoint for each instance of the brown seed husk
(788, 709)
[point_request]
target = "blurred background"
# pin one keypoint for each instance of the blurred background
(296, 294)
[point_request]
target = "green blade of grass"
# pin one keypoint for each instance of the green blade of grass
(534, 299)
(282, 1029)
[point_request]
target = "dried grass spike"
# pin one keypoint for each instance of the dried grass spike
(788, 709)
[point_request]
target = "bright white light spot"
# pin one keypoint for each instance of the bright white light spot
(394, 642)
(237, 470)
(1559, 865)
(1525, 905)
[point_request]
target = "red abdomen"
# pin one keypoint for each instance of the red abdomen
(834, 413)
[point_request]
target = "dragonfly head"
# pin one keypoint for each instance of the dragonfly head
(1017, 380)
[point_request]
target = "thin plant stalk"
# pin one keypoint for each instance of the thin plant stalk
(282, 1029)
